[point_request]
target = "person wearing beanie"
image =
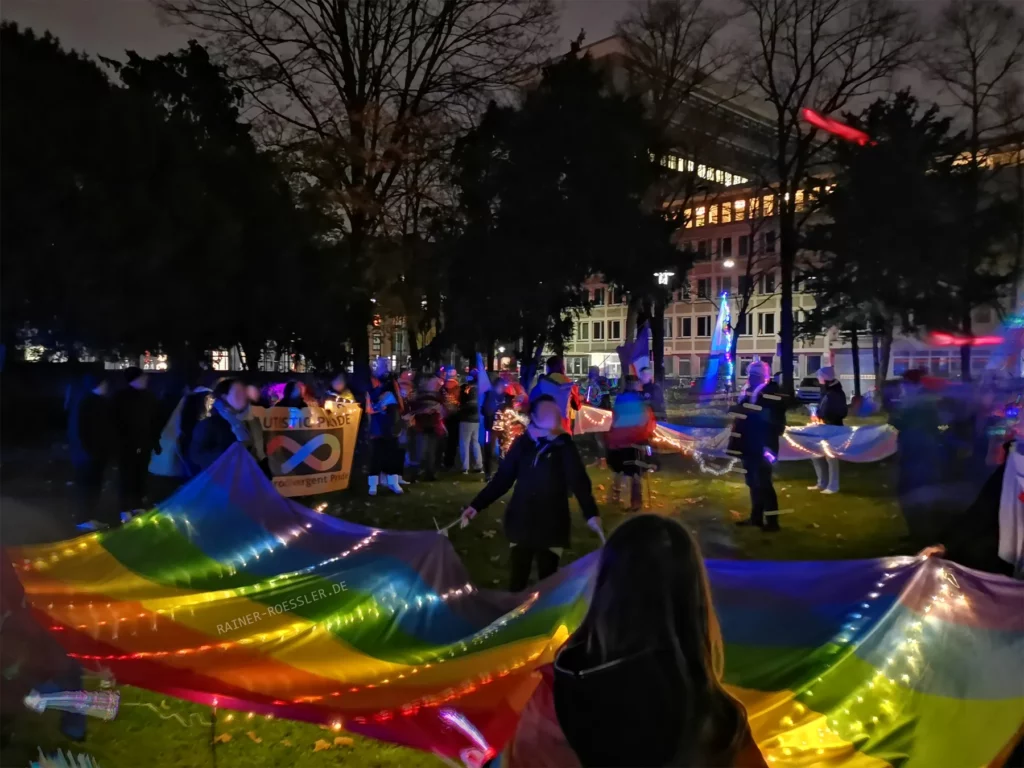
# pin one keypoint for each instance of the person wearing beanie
(832, 410)
(760, 422)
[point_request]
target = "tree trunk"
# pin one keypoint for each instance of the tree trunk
(632, 313)
(413, 337)
(855, 352)
(787, 261)
(875, 361)
(252, 350)
(884, 353)
(658, 340)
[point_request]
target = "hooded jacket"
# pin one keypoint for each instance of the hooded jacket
(832, 409)
(567, 721)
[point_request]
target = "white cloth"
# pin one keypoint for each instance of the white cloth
(1011, 514)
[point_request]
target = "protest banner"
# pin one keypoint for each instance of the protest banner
(310, 449)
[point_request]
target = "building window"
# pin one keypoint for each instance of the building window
(726, 212)
(743, 326)
(686, 289)
(700, 216)
(685, 366)
(618, 296)
(800, 200)
(584, 331)
(614, 329)
(720, 176)
(688, 217)
(685, 327)
(813, 364)
(724, 285)
(713, 214)
(739, 208)
(725, 244)
(744, 286)
(704, 287)
(704, 325)
(670, 366)
(768, 205)
(765, 323)
(599, 297)
(744, 245)
(702, 250)
(768, 283)
(667, 324)
(598, 331)
(769, 242)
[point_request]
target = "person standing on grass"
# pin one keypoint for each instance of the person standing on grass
(469, 427)
(545, 467)
(450, 392)
(385, 411)
(137, 419)
(91, 438)
(426, 431)
(229, 422)
(760, 422)
(494, 402)
(653, 393)
(633, 423)
(832, 410)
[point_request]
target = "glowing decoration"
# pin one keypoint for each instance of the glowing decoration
(101, 704)
(410, 637)
(64, 759)
(509, 424)
(836, 128)
(721, 349)
(664, 277)
(949, 340)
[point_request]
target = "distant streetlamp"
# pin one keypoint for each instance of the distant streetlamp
(664, 277)
(728, 263)
(501, 350)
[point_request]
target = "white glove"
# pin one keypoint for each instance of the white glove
(594, 524)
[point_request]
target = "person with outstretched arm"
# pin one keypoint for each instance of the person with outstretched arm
(544, 466)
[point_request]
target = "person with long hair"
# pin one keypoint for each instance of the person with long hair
(640, 681)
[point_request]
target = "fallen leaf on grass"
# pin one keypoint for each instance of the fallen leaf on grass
(252, 735)
(224, 737)
(286, 742)
(489, 534)
(735, 515)
(496, 558)
(814, 525)
(600, 487)
(343, 741)
(694, 500)
(321, 745)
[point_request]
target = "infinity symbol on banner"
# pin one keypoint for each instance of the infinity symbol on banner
(304, 453)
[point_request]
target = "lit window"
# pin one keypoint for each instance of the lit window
(671, 162)
(719, 176)
(689, 166)
(740, 210)
(688, 217)
(699, 218)
(726, 213)
(768, 205)
(713, 217)
(800, 200)
(728, 179)
(702, 171)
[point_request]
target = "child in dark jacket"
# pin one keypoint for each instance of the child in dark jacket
(544, 466)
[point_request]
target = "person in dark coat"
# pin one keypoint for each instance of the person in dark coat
(832, 410)
(653, 394)
(195, 408)
(227, 424)
(138, 423)
(294, 396)
(469, 427)
(545, 467)
(427, 428)
(91, 437)
(763, 421)
(494, 401)
(386, 456)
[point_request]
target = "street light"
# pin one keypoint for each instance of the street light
(728, 263)
(501, 350)
(664, 277)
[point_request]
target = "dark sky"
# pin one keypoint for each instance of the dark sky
(108, 27)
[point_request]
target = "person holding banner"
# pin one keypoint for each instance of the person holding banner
(545, 467)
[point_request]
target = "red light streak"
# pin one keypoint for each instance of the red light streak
(843, 131)
(949, 340)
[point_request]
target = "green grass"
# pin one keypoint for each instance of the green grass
(862, 521)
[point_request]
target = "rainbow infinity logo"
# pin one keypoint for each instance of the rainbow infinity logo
(304, 453)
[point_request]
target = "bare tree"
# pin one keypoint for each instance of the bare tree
(355, 89)
(977, 56)
(821, 54)
(676, 54)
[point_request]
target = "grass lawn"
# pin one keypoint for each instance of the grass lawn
(863, 521)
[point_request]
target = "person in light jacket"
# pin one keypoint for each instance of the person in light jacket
(832, 410)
